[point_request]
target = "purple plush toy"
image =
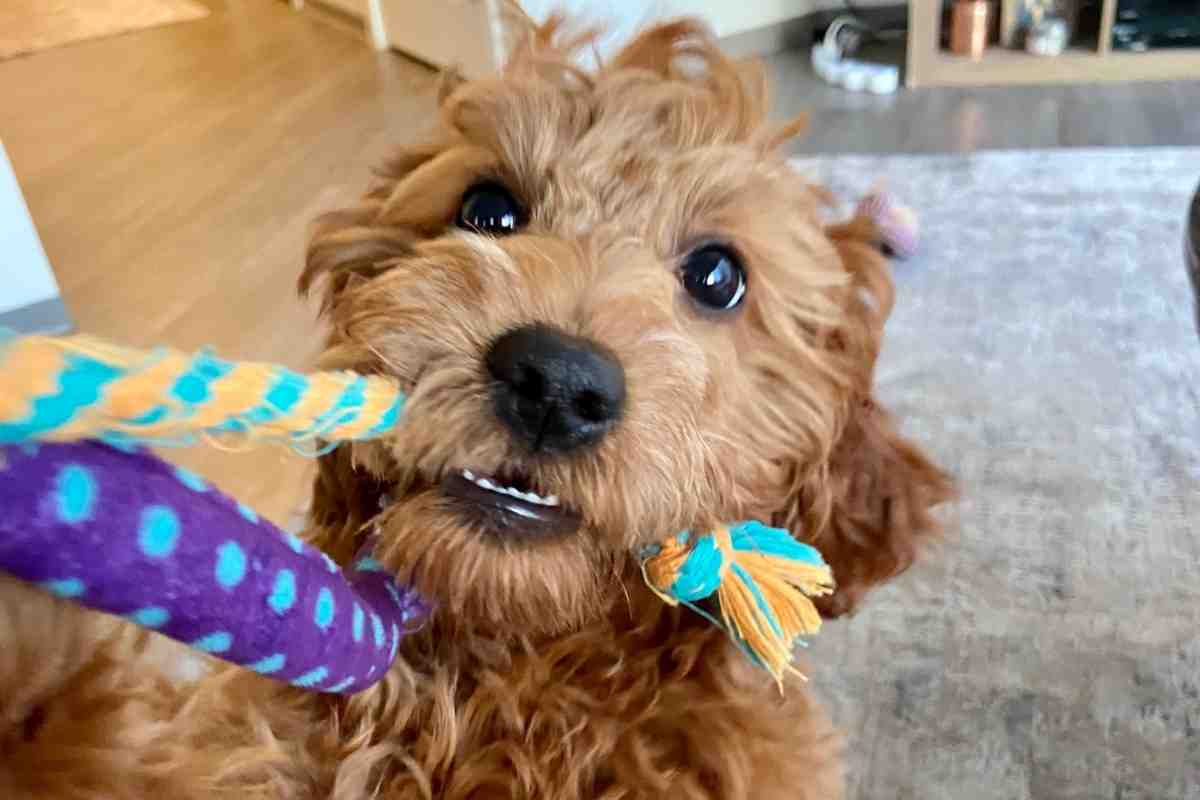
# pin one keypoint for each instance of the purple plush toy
(124, 532)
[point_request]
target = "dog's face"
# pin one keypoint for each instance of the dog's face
(617, 316)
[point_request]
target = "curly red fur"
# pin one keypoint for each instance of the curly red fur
(549, 669)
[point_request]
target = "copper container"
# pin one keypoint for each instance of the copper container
(969, 28)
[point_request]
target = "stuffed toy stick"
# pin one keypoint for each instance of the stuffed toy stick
(124, 532)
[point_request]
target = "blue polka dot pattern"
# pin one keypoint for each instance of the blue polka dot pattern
(190, 479)
(166, 550)
(76, 491)
(65, 587)
(248, 513)
(150, 616)
(342, 685)
(269, 665)
(311, 678)
(283, 593)
(323, 611)
(231, 565)
(158, 532)
(217, 642)
(377, 629)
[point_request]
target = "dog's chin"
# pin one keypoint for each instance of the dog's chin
(490, 551)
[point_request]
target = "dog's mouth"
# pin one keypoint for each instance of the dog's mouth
(508, 504)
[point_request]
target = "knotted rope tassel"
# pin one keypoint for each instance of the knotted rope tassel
(763, 579)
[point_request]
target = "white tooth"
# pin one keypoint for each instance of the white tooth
(533, 498)
(466, 473)
(486, 484)
(552, 500)
(511, 492)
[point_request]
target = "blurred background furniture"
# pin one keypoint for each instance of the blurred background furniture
(1112, 40)
(473, 35)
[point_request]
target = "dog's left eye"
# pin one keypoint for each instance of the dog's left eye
(489, 208)
(714, 276)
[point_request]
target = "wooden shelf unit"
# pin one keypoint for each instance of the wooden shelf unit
(930, 65)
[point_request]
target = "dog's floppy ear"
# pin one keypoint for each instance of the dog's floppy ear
(869, 510)
(357, 242)
(868, 507)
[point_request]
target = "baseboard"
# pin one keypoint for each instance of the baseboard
(340, 16)
(47, 316)
(800, 32)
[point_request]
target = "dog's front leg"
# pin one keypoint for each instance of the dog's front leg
(89, 709)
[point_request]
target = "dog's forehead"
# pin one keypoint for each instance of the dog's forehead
(632, 149)
(537, 125)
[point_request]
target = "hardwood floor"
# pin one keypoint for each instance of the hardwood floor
(983, 118)
(172, 172)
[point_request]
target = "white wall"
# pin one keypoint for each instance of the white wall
(726, 16)
(25, 275)
(621, 18)
(735, 16)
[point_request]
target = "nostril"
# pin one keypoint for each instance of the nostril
(529, 382)
(591, 406)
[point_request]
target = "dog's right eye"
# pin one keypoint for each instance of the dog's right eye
(714, 276)
(490, 208)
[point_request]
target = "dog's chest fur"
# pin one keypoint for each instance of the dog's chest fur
(669, 708)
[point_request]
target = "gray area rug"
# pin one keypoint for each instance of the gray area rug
(1043, 347)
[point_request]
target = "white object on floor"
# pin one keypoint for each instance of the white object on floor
(27, 275)
(856, 76)
(830, 63)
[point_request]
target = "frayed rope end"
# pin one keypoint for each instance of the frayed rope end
(763, 579)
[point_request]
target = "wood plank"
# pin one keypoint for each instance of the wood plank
(924, 29)
(455, 35)
(1009, 12)
(1008, 66)
(1108, 16)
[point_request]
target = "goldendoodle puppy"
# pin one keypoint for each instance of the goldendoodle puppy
(619, 314)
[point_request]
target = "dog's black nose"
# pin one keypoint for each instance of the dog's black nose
(555, 392)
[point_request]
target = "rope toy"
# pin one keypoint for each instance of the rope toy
(116, 529)
(77, 387)
(762, 578)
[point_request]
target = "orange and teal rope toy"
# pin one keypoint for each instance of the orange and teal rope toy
(81, 388)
